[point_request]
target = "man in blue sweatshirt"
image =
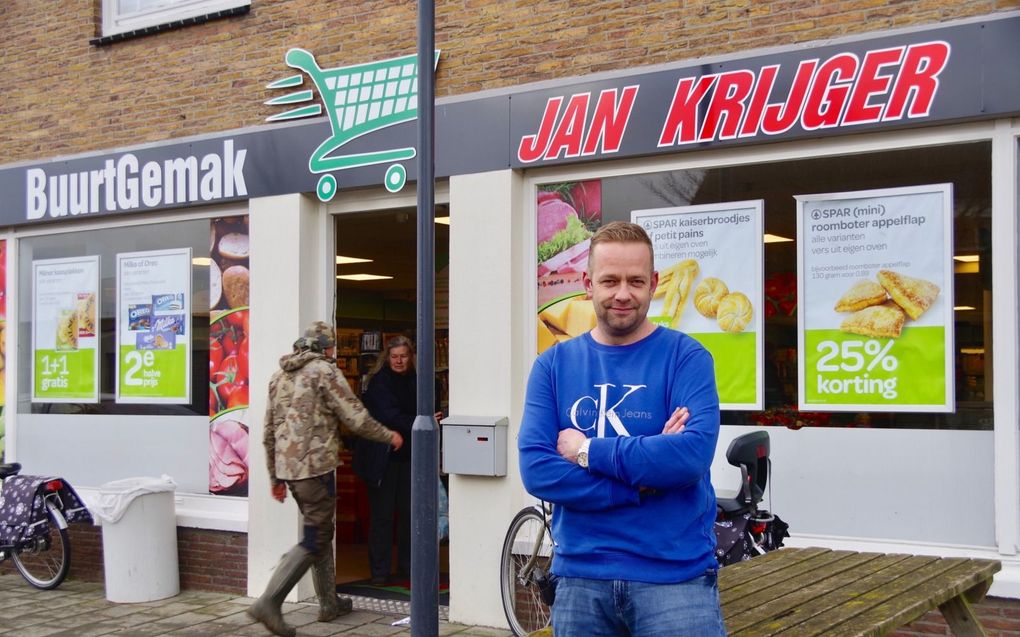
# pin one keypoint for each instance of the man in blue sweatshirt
(619, 430)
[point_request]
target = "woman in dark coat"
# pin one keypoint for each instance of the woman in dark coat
(391, 399)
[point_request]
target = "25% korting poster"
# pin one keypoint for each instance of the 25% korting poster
(876, 289)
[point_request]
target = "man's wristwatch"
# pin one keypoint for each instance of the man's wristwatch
(582, 453)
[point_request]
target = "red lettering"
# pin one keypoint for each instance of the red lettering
(871, 82)
(727, 105)
(532, 147)
(766, 79)
(682, 120)
(829, 91)
(570, 133)
(610, 121)
(918, 80)
(779, 118)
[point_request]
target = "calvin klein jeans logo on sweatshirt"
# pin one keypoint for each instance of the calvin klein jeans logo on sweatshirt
(600, 411)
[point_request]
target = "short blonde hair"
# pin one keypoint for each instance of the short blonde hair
(620, 232)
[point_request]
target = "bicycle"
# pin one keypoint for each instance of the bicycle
(34, 516)
(526, 584)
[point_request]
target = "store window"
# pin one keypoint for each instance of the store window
(122, 16)
(89, 333)
(569, 212)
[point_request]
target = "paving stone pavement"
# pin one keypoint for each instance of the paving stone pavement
(80, 609)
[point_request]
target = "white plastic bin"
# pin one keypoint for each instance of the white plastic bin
(139, 539)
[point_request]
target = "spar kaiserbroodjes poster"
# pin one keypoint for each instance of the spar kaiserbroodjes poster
(876, 287)
(709, 260)
(65, 343)
(154, 327)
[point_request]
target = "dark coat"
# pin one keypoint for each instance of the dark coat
(391, 398)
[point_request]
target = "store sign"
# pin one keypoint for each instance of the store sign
(154, 327)
(946, 74)
(65, 324)
(875, 326)
(709, 260)
(125, 184)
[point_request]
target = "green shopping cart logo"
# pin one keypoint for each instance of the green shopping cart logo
(358, 99)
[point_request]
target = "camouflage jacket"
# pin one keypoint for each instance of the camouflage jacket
(308, 400)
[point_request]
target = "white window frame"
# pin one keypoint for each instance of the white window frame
(1004, 135)
(115, 22)
(196, 510)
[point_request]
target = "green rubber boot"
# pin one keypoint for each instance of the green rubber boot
(331, 605)
(266, 608)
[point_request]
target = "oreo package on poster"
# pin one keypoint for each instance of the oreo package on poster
(162, 303)
(140, 317)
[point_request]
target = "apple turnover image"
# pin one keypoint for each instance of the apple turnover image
(878, 321)
(863, 294)
(914, 295)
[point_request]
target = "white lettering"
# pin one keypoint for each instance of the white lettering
(35, 193)
(127, 182)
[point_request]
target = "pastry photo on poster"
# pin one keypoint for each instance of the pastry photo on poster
(709, 260)
(876, 329)
(567, 214)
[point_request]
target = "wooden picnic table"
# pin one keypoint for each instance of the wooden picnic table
(814, 591)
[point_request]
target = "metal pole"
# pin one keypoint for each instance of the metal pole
(425, 432)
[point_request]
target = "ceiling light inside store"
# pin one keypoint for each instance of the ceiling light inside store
(206, 261)
(345, 260)
(362, 277)
(967, 258)
(775, 238)
(443, 220)
(962, 308)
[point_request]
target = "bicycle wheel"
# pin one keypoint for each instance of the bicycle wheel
(527, 551)
(45, 562)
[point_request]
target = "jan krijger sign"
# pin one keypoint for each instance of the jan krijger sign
(885, 85)
(876, 300)
(65, 330)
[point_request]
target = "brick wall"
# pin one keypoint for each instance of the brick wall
(62, 95)
(208, 560)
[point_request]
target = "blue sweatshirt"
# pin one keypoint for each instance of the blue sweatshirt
(605, 525)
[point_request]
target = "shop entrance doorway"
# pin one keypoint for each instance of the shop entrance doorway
(376, 301)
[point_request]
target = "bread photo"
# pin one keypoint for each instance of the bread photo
(234, 245)
(215, 285)
(734, 312)
(708, 294)
(235, 286)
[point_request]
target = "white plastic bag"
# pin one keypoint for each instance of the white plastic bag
(115, 497)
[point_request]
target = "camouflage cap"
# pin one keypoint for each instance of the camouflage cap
(318, 337)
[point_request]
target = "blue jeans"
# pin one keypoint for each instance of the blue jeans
(616, 608)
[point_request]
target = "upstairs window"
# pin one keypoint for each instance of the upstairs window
(127, 16)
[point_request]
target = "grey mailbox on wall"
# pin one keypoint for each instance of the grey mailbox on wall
(475, 445)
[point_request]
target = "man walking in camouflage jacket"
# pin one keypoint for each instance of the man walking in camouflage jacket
(308, 400)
